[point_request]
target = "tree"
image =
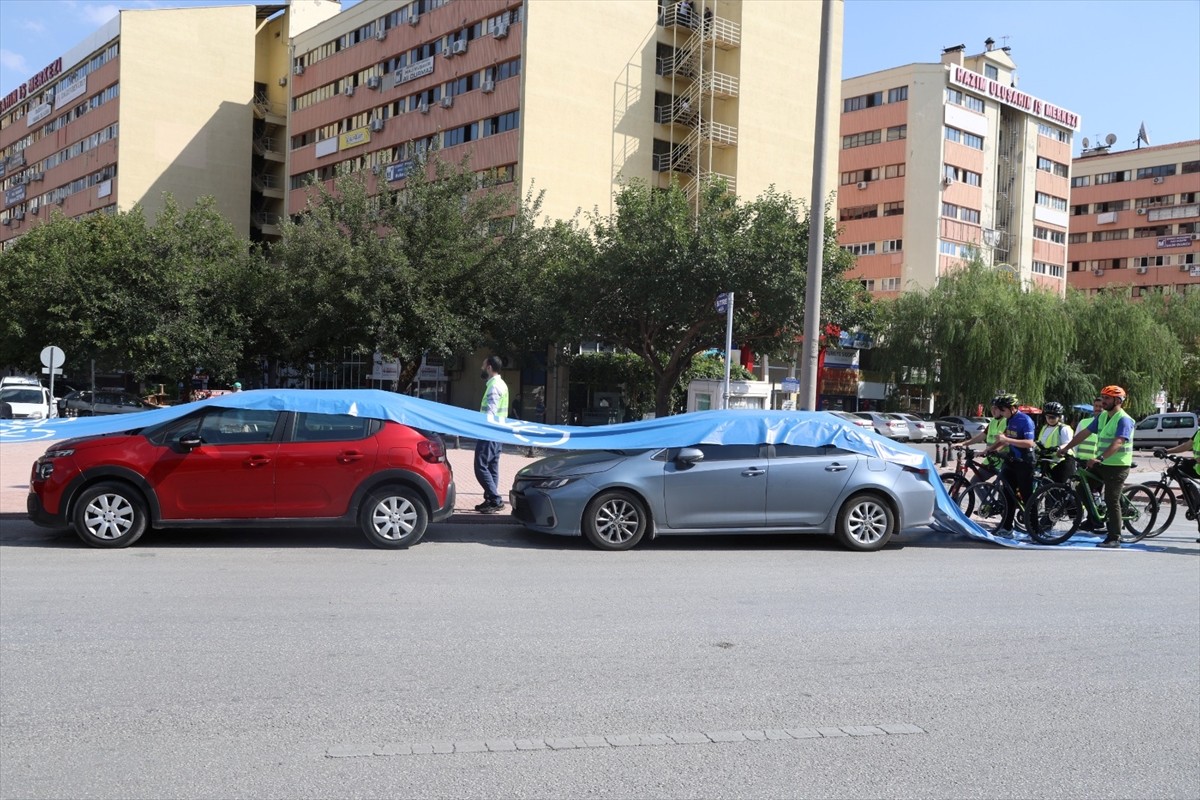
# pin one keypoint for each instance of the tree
(654, 270)
(1180, 314)
(403, 272)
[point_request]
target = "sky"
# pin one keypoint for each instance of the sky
(1116, 63)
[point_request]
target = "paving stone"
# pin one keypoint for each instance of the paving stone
(689, 737)
(501, 745)
(776, 733)
(531, 744)
(350, 751)
(561, 744)
(804, 733)
(422, 749)
(754, 736)
(654, 739)
(901, 728)
(470, 747)
(831, 732)
(442, 748)
(863, 730)
(726, 736)
(595, 741)
(623, 741)
(395, 749)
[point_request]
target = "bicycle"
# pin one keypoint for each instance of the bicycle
(1165, 493)
(1060, 508)
(962, 490)
(988, 494)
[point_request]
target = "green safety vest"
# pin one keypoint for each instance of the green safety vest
(995, 428)
(502, 408)
(1055, 441)
(1107, 433)
(1196, 451)
(1086, 450)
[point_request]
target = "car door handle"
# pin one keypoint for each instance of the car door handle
(836, 468)
(257, 461)
(754, 472)
(349, 456)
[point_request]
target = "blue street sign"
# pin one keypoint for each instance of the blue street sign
(790, 384)
(722, 304)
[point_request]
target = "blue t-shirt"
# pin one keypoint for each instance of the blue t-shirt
(1124, 426)
(1020, 426)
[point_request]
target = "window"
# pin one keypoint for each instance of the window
(965, 100)
(1080, 181)
(1190, 166)
(1152, 261)
(893, 171)
(330, 428)
(501, 123)
(860, 175)
(1150, 233)
(1112, 177)
(955, 249)
(1112, 205)
(862, 101)
(890, 285)
(860, 249)
(1054, 133)
(1053, 167)
(990, 71)
(1047, 235)
(1050, 201)
(898, 94)
(1077, 211)
(859, 212)
(237, 426)
(860, 139)
(893, 245)
(1152, 202)
(1161, 171)
(1077, 238)
(953, 173)
(460, 135)
(969, 215)
(1109, 236)
(897, 132)
(868, 284)
(950, 210)
(893, 209)
(969, 139)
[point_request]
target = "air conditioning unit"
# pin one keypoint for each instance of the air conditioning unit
(381, 34)
(414, 19)
(1158, 180)
(34, 210)
(1098, 271)
(862, 184)
(1184, 267)
(349, 91)
(298, 69)
(8, 220)
(18, 215)
(37, 176)
(1141, 211)
(60, 201)
(20, 180)
(487, 87)
(448, 101)
(459, 47)
(1142, 270)
(947, 181)
(501, 30)
(373, 82)
(376, 125)
(375, 170)
(423, 107)
(283, 81)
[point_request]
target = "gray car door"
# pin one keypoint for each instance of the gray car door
(805, 482)
(728, 489)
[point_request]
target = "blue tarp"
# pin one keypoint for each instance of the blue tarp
(804, 428)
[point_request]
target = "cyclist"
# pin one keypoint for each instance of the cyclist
(1015, 445)
(1194, 446)
(1086, 450)
(1053, 435)
(1114, 432)
(992, 463)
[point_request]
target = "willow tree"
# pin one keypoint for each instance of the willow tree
(975, 333)
(1180, 313)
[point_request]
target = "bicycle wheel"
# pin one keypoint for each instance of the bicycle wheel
(1057, 512)
(1139, 509)
(1165, 496)
(988, 502)
(958, 488)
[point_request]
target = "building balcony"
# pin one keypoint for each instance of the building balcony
(268, 185)
(725, 34)
(272, 112)
(266, 222)
(270, 148)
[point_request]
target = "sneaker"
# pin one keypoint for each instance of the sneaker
(1110, 543)
(484, 505)
(492, 508)
(1093, 526)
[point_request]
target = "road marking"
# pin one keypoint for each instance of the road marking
(614, 741)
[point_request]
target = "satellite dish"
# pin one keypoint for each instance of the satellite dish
(1111, 139)
(1086, 143)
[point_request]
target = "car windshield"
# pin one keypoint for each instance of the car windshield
(12, 395)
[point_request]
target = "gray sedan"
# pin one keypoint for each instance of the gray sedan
(617, 498)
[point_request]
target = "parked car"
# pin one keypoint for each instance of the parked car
(919, 430)
(246, 467)
(949, 432)
(27, 401)
(616, 498)
(1165, 430)
(889, 425)
(87, 403)
(972, 425)
(854, 419)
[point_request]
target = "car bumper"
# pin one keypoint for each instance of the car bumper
(39, 515)
(536, 510)
(439, 514)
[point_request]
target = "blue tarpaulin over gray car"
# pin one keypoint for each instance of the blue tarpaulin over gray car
(804, 428)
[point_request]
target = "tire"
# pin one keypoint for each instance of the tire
(394, 518)
(1058, 514)
(109, 515)
(988, 502)
(958, 488)
(1139, 511)
(1167, 505)
(865, 523)
(614, 521)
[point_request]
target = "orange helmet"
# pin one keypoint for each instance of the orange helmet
(1113, 391)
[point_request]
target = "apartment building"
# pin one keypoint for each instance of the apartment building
(1134, 218)
(939, 161)
(569, 98)
(156, 101)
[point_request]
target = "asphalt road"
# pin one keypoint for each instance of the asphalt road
(307, 664)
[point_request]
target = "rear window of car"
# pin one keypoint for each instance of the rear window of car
(16, 395)
(329, 428)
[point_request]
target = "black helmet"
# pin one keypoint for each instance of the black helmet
(1005, 401)
(1053, 408)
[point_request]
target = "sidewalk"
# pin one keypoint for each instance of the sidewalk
(16, 460)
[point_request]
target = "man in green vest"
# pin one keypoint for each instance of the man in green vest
(1087, 449)
(487, 454)
(1114, 440)
(992, 462)
(1183, 468)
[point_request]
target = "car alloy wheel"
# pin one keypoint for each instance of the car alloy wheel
(109, 515)
(866, 522)
(394, 518)
(614, 521)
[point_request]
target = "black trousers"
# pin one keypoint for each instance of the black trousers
(1018, 476)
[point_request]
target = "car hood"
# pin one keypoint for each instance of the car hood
(587, 462)
(99, 440)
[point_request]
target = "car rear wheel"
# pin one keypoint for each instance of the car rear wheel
(109, 515)
(614, 521)
(394, 518)
(865, 523)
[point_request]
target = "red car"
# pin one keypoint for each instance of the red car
(246, 467)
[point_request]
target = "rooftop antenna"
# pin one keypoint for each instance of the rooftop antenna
(1004, 42)
(1086, 143)
(1111, 139)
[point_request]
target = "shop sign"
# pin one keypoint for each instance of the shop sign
(413, 71)
(1174, 241)
(859, 341)
(384, 370)
(1010, 96)
(354, 138)
(326, 147)
(839, 380)
(37, 114)
(70, 91)
(14, 195)
(30, 86)
(399, 170)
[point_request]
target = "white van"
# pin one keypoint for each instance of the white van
(1165, 430)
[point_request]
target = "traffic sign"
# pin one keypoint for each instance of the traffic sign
(722, 304)
(790, 384)
(53, 357)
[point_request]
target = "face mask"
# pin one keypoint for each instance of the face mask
(483, 374)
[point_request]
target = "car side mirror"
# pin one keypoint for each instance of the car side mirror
(690, 455)
(190, 441)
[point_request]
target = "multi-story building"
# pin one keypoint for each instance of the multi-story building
(1134, 218)
(156, 101)
(569, 98)
(939, 161)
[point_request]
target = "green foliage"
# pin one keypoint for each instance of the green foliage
(1180, 314)
(630, 372)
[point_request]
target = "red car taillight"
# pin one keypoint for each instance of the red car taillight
(432, 451)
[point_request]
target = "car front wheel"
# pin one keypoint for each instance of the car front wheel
(109, 515)
(394, 518)
(614, 521)
(865, 523)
